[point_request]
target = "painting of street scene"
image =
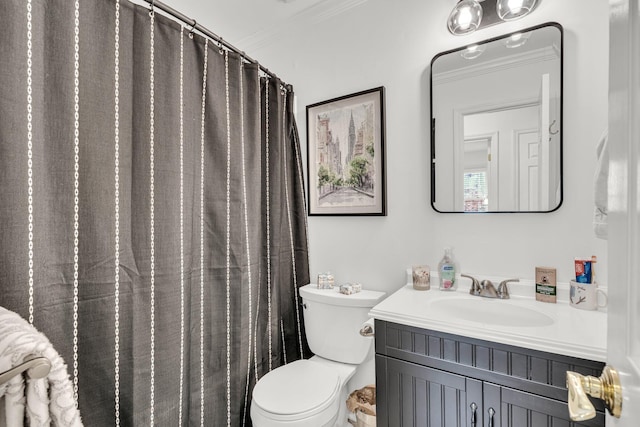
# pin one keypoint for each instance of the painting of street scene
(345, 167)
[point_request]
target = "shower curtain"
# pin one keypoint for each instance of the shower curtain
(152, 212)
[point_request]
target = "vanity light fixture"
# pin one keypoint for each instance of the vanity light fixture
(465, 17)
(470, 15)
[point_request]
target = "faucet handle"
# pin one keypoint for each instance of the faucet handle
(503, 289)
(475, 285)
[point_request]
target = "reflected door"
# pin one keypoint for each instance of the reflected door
(529, 171)
(510, 154)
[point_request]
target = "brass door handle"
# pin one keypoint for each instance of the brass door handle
(607, 388)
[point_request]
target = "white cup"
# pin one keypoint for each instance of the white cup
(587, 296)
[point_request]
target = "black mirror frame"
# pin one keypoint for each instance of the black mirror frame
(432, 127)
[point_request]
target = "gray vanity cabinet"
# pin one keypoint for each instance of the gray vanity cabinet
(429, 378)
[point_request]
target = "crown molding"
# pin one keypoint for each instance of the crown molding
(499, 64)
(314, 14)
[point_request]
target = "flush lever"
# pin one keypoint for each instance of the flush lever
(367, 331)
(607, 388)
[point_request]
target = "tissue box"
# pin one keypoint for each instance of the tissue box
(325, 281)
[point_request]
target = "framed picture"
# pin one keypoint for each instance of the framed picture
(345, 155)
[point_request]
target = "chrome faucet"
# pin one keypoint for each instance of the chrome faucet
(486, 289)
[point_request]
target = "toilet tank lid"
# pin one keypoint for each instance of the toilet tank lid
(364, 298)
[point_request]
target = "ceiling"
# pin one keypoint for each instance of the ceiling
(251, 24)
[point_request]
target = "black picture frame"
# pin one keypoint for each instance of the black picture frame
(346, 155)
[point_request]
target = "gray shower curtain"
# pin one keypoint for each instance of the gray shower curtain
(152, 213)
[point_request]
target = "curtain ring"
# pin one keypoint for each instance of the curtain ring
(151, 11)
(193, 28)
(220, 49)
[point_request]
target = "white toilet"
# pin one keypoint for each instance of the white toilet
(313, 392)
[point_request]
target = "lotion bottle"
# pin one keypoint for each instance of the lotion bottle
(447, 271)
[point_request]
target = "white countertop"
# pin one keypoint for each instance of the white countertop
(565, 330)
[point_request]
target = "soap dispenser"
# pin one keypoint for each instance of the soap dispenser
(447, 271)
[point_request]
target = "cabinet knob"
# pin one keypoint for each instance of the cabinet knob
(607, 388)
(492, 412)
(473, 407)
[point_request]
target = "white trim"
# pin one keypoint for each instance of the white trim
(623, 340)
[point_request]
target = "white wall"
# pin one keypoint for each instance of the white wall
(390, 43)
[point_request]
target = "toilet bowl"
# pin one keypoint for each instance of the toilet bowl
(313, 392)
(304, 393)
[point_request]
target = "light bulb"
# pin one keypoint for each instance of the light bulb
(515, 6)
(514, 9)
(465, 17)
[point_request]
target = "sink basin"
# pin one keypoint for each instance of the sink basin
(490, 311)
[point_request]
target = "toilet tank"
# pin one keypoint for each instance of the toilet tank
(333, 320)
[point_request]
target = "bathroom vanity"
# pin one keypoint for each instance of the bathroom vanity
(451, 359)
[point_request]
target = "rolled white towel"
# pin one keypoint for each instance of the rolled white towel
(48, 400)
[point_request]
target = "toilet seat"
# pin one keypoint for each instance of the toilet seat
(301, 390)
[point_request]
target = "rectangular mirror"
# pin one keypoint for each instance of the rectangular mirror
(496, 124)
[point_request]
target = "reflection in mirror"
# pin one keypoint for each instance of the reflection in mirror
(496, 106)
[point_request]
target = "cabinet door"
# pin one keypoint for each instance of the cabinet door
(515, 408)
(419, 396)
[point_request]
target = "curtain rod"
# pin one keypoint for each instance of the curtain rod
(195, 26)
